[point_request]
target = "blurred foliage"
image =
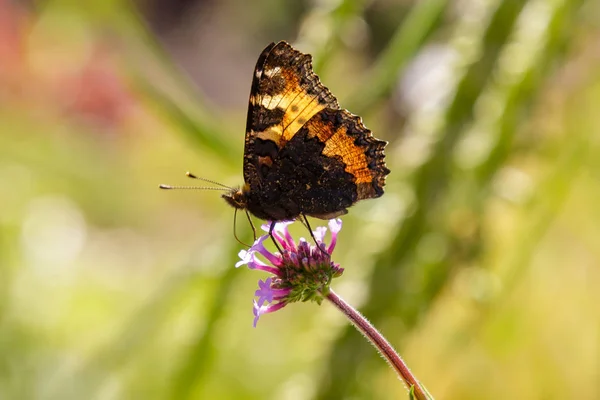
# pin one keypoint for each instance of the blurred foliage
(480, 263)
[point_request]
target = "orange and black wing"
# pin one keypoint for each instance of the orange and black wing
(285, 94)
(303, 154)
(346, 140)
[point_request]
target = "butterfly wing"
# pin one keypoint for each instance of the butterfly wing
(285, 94)
(346, 140)
(303, 154)
(332, 162)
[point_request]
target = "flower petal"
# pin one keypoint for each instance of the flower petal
(260, 247)
(260, 310)
(264, 292)
(335, 226)
(320, 234)
(282, 228)
(246, 257)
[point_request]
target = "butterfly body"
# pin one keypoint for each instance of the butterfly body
(303, 154)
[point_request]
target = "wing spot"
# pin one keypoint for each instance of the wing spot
(267, 160)
(271, 72)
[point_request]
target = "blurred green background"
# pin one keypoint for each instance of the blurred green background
(480, 263)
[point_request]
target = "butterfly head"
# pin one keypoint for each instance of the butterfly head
(237, 197)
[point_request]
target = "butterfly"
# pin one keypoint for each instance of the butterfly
(303, 154)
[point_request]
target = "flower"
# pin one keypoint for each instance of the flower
(302, 272)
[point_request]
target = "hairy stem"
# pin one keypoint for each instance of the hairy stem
(381, 344)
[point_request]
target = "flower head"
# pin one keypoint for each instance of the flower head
(302, 272)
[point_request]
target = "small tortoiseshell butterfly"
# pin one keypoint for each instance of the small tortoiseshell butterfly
(303, 154)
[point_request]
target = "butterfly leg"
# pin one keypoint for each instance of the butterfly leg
(305, 222)
(273, 237)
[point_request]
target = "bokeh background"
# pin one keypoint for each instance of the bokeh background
(481, 263)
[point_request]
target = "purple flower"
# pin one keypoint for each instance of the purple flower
(303, 272)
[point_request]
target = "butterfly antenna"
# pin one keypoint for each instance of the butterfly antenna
(234, 230)
(190, 175)
(169, 187)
